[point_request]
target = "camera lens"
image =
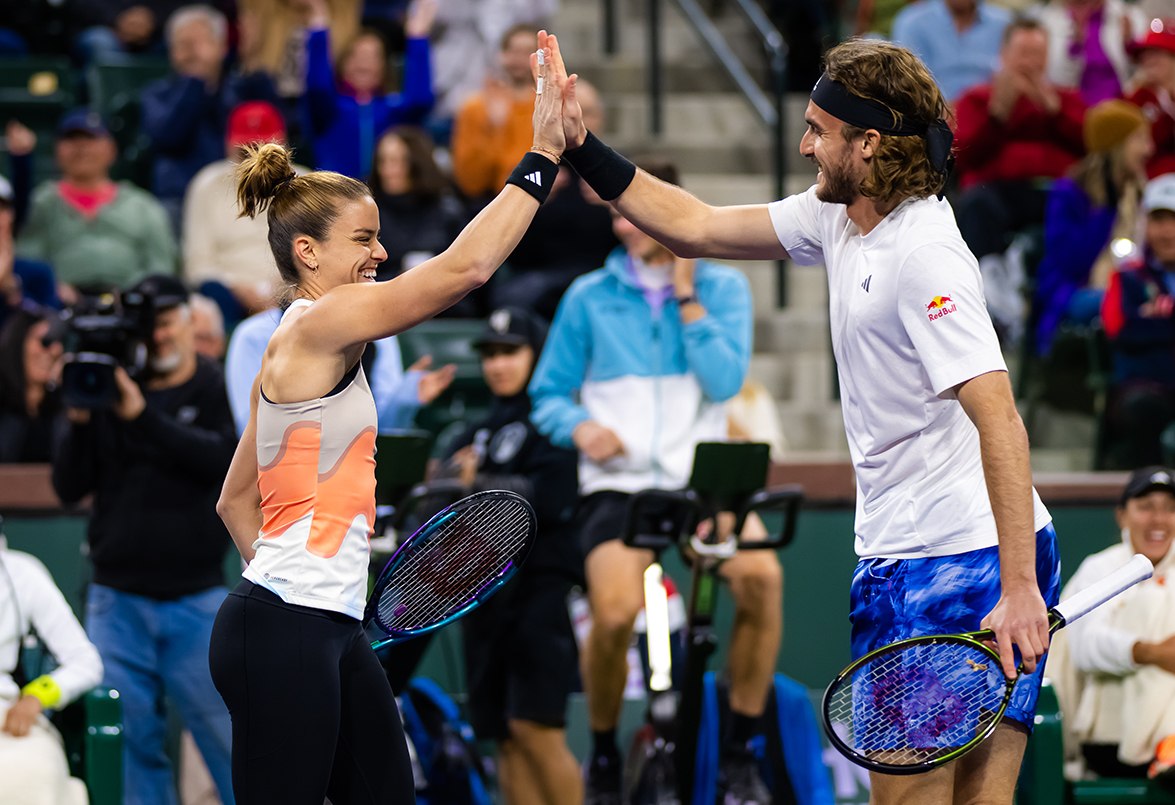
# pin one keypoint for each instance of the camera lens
(88, 381)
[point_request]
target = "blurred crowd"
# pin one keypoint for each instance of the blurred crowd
(1065, 138)
(1064, 118)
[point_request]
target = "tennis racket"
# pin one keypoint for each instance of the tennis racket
(451, 565)
(920, 703)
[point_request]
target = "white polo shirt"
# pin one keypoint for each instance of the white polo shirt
(909, 323)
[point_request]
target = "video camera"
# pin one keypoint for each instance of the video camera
(98, 335)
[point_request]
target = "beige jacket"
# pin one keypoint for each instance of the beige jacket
(1105, 696)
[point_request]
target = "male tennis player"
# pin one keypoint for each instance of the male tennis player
(950, 533)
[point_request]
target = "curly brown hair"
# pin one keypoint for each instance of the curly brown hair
(897, 78)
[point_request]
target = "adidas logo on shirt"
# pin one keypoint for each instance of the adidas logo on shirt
(536, 178)
(865, 284)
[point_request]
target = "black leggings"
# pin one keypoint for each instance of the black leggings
(313, 714)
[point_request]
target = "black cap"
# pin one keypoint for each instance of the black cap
(83, 120)
(1148, 479)
(513, 325)
(166, 291)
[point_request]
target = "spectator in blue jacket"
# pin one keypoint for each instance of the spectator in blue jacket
(1087, 211)
(349, 111)
(640, 359)
(1137, 315)
(186, 114)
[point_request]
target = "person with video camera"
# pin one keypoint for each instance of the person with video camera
(154, 460)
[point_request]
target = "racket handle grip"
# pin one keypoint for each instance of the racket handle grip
(1137, 569)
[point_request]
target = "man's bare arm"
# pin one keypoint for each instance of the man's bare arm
(1020, 616)
(689, 227)
(686, 225)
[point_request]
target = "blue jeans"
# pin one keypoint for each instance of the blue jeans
(151, 649)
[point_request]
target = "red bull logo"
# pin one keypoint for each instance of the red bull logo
(940, 306)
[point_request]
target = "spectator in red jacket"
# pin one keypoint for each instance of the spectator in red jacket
(1154, 53)
(1014, 136)
(1137, 314)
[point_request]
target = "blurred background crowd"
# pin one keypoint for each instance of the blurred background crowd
(119, 235)
(124, 120)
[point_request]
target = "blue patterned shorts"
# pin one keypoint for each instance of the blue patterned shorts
(892, 599)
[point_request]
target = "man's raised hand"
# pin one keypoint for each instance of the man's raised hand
(574, 130)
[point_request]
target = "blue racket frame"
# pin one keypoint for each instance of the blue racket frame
(477, 598)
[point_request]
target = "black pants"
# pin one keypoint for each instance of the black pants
(1137, 412)
(521, 660)
(987, 213)
(1102, 760)
(313, 714)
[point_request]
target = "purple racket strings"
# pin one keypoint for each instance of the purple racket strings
(917, 704)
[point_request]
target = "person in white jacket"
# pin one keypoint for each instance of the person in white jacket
(1122, 694)
(33, 769)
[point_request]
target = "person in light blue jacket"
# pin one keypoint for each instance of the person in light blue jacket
(640, 359)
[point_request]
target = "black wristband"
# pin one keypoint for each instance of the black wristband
(536, 175)
(605, 171)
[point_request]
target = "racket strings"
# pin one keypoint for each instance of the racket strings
(466, 552)
(451, 554)
(450, 568)
(918, 704)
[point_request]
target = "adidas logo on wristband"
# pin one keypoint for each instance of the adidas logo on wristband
(535, 177)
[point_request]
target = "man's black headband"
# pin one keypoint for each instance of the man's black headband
(865, 113)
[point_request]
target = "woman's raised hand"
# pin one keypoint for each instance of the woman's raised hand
(548, 107)
(574, 131)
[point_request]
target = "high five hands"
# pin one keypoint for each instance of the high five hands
(574, 131)
(548, 122)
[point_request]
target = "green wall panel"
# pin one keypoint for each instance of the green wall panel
(817, 569)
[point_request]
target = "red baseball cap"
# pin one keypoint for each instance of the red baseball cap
(255, 122)
(1160, 35)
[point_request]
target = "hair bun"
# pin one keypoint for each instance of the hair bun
(265, 168)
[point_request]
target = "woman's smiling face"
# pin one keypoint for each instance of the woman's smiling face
(353, 251)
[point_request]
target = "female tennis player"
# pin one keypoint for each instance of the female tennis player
(312, 712)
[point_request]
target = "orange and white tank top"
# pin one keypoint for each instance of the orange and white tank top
(316, 473)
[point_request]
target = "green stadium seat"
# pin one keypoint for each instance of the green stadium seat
(1119, 792)
(115, 88)
(1042, 775)
(91, 729)
(37, 75)
(37, 91)
(400, 463)
(114, 83)
(449, 341)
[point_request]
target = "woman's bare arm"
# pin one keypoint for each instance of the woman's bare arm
(240, 498)
(362, 312)
(359, 313)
